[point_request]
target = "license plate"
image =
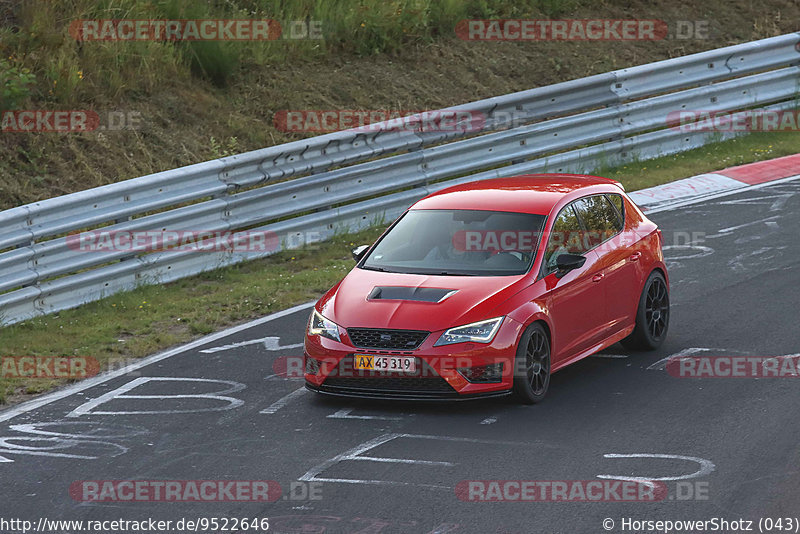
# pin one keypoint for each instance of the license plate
(374, 362)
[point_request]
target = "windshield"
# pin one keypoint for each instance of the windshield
(458, 242)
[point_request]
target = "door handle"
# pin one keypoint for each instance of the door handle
(635, 256)
(598, 277)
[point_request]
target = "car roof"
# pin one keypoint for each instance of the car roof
(528, 193)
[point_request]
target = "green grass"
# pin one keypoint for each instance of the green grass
(197, 101)
(756, 146)
(67, 72)
(153, 318)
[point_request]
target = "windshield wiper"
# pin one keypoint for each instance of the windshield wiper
(371, 268)
(435, 273)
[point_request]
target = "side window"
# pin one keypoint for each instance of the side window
(618, 203)
(565, 238)
(600, 219)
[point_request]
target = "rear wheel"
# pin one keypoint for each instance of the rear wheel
(652, 315)
(532, 365)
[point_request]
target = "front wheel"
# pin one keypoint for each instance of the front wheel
(532, 365)
(652, 315)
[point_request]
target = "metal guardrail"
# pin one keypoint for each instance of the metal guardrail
(350, 179)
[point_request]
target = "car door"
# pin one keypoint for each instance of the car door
(603, 216)
(575, 300)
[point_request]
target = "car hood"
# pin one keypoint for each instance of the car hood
(356, 302)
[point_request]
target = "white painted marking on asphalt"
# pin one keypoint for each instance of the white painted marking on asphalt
(119, 393)
(489, 421)
(345, 414)
(311, 474)
(27, 452)
(283, 401)
(444, 528)
(700, 251)
(63, 440)
(468, 440)
(400, 461)
(661, 364)
(356, 454)
(730, 229)
(53, 444)
(748, 200)
(83, 385)
(98, 431)
(776, 202)
(269, 342)
(780, 202)
(283, 377)
(381, 482)
(720, 195)
(737, 262)
(706, 467)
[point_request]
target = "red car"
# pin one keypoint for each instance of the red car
(486, 288)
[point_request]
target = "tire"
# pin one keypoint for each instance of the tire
(652, 315)
(532, 365)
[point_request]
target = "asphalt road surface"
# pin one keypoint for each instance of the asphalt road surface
(726, 448)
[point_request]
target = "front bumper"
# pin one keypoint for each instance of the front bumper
(362, 393)
(329, 368)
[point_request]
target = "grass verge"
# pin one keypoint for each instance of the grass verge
(179, 103)
(153, 318)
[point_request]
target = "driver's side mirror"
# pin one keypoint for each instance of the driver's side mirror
(568, 262)
(359, 252)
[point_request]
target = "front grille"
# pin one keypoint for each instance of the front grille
(376, 338)
(391, 385)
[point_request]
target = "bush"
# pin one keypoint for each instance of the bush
(15, 83)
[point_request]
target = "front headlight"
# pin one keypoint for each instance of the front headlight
(320, 326)
(480, 332)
